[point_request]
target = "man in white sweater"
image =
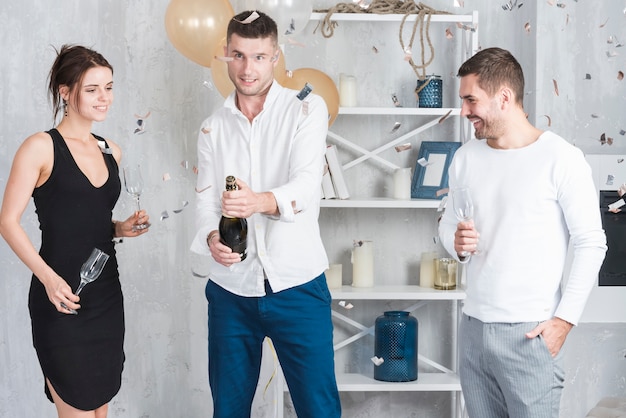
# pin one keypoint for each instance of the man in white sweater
(533, 195)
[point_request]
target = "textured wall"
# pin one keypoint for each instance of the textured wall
(165, 373)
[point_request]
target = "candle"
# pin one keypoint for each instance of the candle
(402, 183)
(427, 269)
(363, 264)
(347, 90)
(334, 276)
(445, 274)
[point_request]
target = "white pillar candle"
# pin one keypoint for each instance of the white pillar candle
(402, 183)
(334, 276)
(427, 269)
(347, 90)
(363, 264)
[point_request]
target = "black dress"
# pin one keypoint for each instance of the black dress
(82, 355)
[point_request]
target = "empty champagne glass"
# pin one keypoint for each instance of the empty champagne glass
(133, 182)
(463, 209)
(90, 271)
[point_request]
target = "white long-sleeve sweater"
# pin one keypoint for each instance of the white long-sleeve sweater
(529, 204)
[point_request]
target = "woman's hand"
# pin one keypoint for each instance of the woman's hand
(128, 227)
(61, 296)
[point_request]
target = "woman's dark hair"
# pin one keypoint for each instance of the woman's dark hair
(496, 67)
(69, 68)
(261, 27)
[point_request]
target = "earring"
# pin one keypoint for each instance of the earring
(64, 108)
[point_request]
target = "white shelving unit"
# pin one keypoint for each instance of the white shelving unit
(446, 378)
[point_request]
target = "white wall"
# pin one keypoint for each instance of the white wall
(165, 374)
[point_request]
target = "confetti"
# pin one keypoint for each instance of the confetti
(207, 85)
(141, 125)
(305, 108)
(511, 5)
(442, 192)
(166, 177)
(459, 3)
(206, 130)
(587, 76)
(103, 147)
(594, 116)
(606, 139)
(253, 16)
(620, 75)
(408, 54)
(292, 28)
(622, 132)
(611, 54)
(444, 117)
(395, 100)
(396, 126)
(403, 147)
(602, 25)
(561, 5)
(305, 91)
(423, 162)
(184, 205)
(549, 120)
(613, 40)
(293, 42)
(201, 190)
(343, 304)
(449, 34)
(465, 27)
(365, 4)
(185, 164)
(375, 50)
(615, 206)
(377, 361)
(164, 215)
(556, 87)
(527, 27)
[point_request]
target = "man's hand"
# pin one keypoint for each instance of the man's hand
(465, 238)
(244, 202)
(554, 332)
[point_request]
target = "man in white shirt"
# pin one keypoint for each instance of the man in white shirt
(273, 140)
(533, 195)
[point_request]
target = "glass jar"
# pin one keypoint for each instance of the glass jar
(396, 344)
(430, 96)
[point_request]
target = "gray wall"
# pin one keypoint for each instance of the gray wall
(165, 373)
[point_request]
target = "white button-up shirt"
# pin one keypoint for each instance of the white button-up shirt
(281, 151)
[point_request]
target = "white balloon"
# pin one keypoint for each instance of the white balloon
(291, 16)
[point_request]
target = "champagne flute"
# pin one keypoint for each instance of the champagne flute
(90, 271)
(463, 209)
(133, 182)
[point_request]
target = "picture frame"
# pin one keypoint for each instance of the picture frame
(431, 177)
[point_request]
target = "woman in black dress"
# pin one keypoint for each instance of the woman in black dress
(73, 178)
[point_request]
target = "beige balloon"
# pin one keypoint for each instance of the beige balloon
(195, 27)
(322, 84)
(219, 70)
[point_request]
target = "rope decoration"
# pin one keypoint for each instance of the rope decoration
(405, 7)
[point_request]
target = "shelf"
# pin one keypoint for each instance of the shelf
(400, 111)
(387, 203)
(407, 292)
(376, 17)
(426, 382)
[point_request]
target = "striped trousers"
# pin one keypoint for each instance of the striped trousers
(506, 375)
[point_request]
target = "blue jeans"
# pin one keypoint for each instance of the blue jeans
(298, 320)
(505, 374)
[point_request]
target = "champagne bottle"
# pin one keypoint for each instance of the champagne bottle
(234, 231)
